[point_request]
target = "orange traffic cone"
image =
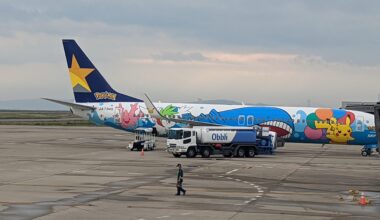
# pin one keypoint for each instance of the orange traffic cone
(362, 200)
(142, 152)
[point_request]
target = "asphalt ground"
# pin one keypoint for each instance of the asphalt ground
(87, 173)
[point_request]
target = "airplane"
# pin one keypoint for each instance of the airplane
(98, 102)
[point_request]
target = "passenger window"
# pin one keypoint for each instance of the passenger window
(241, 120)
(250, 120)
(186, 134)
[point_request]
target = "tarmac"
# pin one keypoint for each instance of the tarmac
(87, 173)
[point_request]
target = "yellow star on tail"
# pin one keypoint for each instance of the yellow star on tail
(78, 75)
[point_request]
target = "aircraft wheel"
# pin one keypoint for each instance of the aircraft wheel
(369, 152)
(251, 152)
(240, 152)
(206, 153)
(191, 152)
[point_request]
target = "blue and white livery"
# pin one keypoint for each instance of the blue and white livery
(98, 102)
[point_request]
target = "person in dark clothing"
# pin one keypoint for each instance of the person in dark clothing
(180, 181)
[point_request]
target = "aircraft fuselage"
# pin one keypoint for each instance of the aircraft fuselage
(294, 124)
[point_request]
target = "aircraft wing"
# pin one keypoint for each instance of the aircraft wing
(153, 111)
(69, 104)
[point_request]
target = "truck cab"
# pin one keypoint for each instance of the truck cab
(144, 139)
(180, 140)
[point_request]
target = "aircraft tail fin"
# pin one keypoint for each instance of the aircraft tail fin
(87, 82)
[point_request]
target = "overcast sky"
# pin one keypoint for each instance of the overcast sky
(275, 52)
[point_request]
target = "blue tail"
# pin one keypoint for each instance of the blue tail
(87, 82)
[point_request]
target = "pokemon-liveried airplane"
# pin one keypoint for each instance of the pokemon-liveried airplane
(98, 102)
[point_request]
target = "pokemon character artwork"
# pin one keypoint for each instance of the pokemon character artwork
(332, 125)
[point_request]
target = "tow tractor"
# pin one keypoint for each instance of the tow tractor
(228, 141)
(144, 138)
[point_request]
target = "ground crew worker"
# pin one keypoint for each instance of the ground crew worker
(180, 181)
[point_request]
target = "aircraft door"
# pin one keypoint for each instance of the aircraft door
(360, 124)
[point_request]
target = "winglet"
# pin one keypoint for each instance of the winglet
(152, 110)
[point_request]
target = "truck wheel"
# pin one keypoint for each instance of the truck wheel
(176, 155)
(206, 153)
(191, 152)
(240, 152)
(251, 152)
(377, 150)
(364, 153)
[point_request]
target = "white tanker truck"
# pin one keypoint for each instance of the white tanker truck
(228, 141)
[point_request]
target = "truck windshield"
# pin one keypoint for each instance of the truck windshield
(175, 134)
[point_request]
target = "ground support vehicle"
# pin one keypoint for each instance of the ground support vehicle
(144, 139)
(228, 141)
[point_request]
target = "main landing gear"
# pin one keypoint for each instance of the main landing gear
(367, 150)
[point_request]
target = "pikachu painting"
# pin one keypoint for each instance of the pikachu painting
(337, 133)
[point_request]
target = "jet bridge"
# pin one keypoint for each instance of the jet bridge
(372, 108)
(368, 107)
(377, 123)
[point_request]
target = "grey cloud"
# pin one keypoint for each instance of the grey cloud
(179, 56)
(320, 33)
(338, 30)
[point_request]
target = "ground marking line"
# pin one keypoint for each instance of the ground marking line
(107, 172)
(260, 191)
(164, 216)
(238, 164)
(186, 213)
(229, 172)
